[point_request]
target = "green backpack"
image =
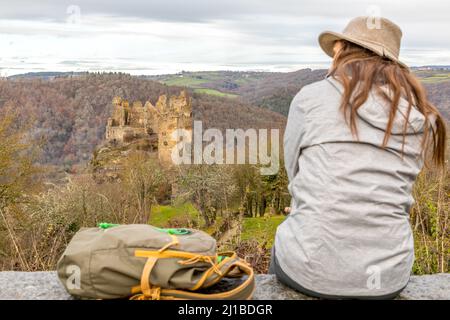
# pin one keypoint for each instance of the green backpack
(143, 262)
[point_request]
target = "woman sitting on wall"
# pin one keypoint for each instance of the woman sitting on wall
(354, 144)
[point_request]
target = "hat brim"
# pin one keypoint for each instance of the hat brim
(328, 38)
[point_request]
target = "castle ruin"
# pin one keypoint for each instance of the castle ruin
(153, 122)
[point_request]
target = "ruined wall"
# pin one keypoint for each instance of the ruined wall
(114, 133)
(173, 113)
(137, 115)
(139, 121)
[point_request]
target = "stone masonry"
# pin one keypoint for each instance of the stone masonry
(154, 122)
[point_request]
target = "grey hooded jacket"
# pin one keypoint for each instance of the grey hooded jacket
(348, 232)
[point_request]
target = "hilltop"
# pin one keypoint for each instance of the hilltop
(275, 90)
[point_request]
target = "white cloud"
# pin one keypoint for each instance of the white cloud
(159, 36)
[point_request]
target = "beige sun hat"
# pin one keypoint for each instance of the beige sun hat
(377, 34)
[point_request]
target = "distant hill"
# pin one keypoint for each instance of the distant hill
(275, 90)
(46, 75)
(432, 67)
(269, 90)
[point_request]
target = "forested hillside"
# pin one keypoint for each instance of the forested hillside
(70, 113)
(439, 93)
(275, 90)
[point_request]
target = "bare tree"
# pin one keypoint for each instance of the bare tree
(209, 187)
(143, 179)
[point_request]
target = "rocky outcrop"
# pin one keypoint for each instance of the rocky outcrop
(46, 286)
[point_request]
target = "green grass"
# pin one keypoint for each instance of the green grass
(436, 78)
(215, 93)
(162, 214)
(184, 81)
(195, 82)
(261, 229)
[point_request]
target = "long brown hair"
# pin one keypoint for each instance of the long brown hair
(360, 70)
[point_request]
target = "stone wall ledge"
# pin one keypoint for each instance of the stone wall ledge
(46, 286)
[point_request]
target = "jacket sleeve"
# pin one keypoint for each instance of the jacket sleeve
(293, 135)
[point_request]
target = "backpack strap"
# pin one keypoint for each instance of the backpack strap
(242, 292)
(147, 290)
(229, 266)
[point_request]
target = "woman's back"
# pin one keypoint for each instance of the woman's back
(348, 233)
(354, 145)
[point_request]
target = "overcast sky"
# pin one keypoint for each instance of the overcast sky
(167, 36)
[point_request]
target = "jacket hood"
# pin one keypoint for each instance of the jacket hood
(375, 111)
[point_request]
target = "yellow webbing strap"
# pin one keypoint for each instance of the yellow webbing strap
(147, 290)
(174, 242)
(167, 254)
(230, 266)
(243, 291)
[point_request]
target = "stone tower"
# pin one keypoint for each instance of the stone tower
(174, 113)
(147, 121)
